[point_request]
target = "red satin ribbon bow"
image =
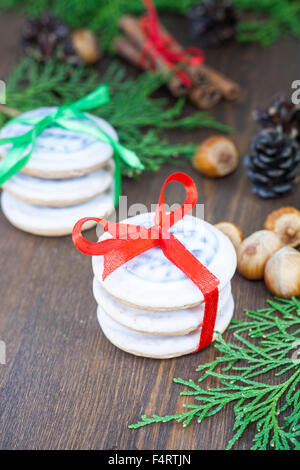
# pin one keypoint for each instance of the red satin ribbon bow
(161, 44)
(130, 241)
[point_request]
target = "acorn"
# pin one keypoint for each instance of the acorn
(86, 45)
(285, 222)
(217, 156)
(231, 231)
(282, 273)
(254, 252)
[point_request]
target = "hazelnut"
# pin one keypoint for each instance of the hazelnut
(254, 251)
(231, 231)
(285, 222)
(282, 272)
(86, 45)
(217, 156)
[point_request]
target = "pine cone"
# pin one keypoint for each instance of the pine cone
(272, 163)
(46, 37)
(282, 115)
(213, 21)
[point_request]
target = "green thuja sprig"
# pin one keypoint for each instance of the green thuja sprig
(274, 410)
(137, 116)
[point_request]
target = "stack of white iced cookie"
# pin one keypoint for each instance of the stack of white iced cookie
(69, 176)
(148, 307)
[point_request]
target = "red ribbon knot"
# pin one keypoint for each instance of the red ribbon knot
(130, 241)
(161, 44)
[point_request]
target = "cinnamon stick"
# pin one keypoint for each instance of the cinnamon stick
(229, 89)
(131, 27)
(203, 96)
(129, 51)
(11, 112)
(201, 74)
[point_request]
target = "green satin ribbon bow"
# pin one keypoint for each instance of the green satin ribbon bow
(65, 116)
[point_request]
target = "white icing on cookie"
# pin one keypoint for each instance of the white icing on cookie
(152, 281)
(63, 192)
(54, 221)
(175, 322)
(59, 152)
(160, 347)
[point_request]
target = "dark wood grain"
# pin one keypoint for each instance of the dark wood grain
(64, 385)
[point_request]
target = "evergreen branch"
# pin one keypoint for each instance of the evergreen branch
(132, 110)
(274, 410)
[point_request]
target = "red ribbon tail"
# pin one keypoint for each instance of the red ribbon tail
(201, 276)
(209, 319)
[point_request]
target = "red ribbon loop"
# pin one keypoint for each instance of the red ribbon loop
(130, 241)
(163, 45)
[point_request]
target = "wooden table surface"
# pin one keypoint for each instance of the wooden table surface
(64, 386)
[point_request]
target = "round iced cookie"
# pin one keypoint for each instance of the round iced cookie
(151, 281)
(54, 221)
(59, 153)
(56, 193)
(170, 323)
(159, 347)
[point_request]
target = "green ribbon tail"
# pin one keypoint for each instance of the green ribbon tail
(128, 156)
(118, 179)
(16, 158)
